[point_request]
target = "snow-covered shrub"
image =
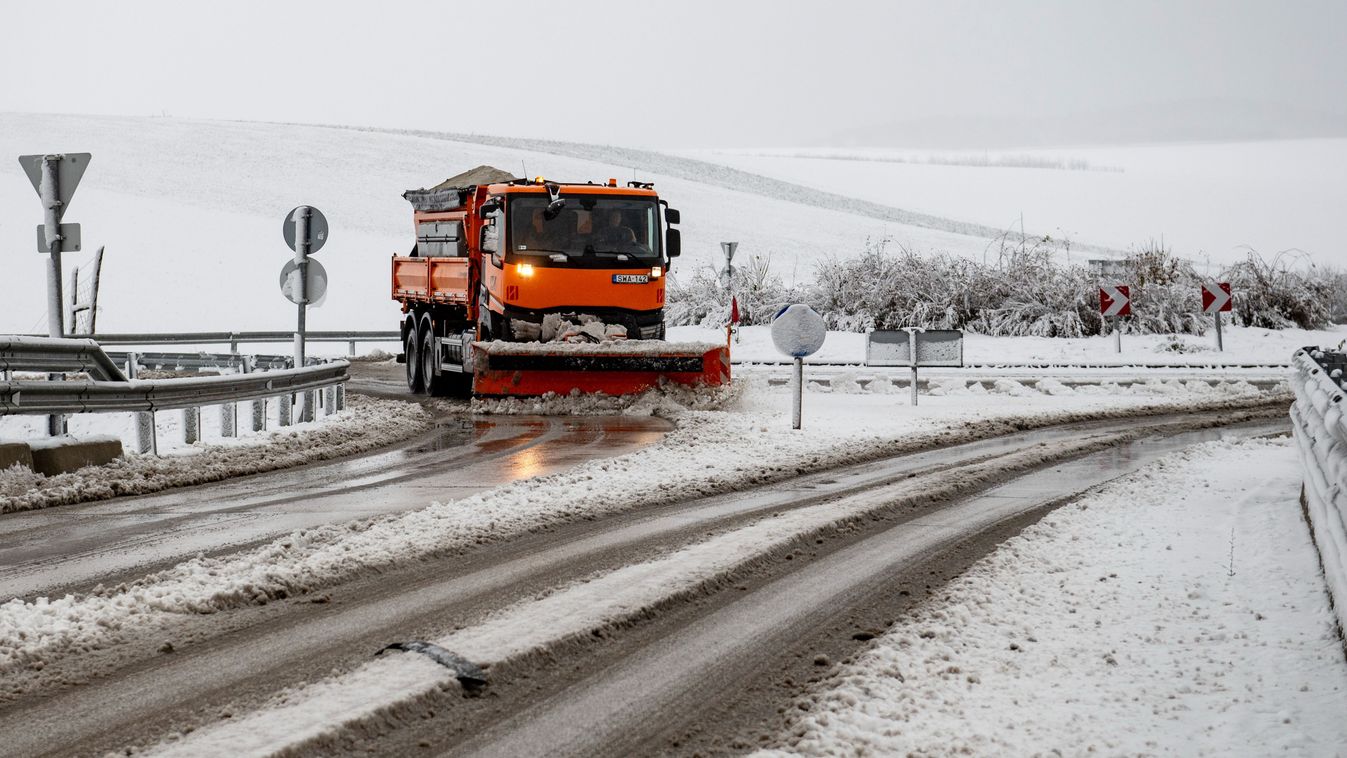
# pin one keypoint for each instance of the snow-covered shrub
(703, 298)
(1166, 293)
(1274, 295)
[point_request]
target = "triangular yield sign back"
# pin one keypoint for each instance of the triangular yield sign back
(69, 171)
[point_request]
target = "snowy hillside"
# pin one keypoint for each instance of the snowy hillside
(191, 214)
(1202, 199)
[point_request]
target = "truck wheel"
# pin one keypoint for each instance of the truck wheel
(412, 349)
(434, 385)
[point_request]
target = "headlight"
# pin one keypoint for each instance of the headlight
(525, 269)
(656, 272)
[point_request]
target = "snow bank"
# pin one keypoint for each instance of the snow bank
(366, 424)
(1161, 615)
(1321, 432)
(709, 452)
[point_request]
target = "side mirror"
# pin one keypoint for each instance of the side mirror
(489, 207)
(673, 243)
(671, 215)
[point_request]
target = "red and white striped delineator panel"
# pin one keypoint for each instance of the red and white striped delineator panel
(1216, 297)
(1115, 300)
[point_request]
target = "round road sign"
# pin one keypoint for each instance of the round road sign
(315, 283)
(798, 331)
(317, 228)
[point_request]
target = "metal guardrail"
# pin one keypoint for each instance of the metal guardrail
(1319, 423)
(146, 396)
(199, 361)
(63, 356)
(108, 390)
(234, 339)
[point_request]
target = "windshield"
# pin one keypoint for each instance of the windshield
(589, 230)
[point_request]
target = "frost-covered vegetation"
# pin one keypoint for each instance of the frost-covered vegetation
(1028, 289)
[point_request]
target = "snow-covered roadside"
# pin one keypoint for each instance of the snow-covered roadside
(1180, 610)
(1242, 346)
(366, 424)
(709, 452)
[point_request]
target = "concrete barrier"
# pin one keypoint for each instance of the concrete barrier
(60, 455)
(15, 453)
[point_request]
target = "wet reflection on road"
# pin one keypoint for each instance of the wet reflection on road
(73, 547)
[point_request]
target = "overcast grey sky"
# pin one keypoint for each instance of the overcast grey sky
(677, 74)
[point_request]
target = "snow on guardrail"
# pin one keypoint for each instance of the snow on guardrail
(1320, 428)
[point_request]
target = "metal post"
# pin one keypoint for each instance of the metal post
(147, 437)
(284, 406)
(229, 426)
(912, 354)
(1220, 343)
(341, 397)
(308, 410)
(1117, 337)
(51, 218)
(301, 287)
(330, 400)
(352, 348)
(259, 406)
(797, 382)
(51, 206)
(132, 365)
(191, 425)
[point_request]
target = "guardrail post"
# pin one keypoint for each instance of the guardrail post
(147, 437)
(341, 397)
(330, 400)
(191, 425)
(309, 408)
(229, 425)
(233, 342)
(284, 405)
(132, 365)
(352, 349)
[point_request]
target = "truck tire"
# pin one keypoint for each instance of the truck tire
(431, 383)
(412, 349)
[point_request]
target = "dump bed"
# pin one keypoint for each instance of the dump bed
(431, 280)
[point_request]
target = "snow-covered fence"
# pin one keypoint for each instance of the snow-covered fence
(108, 391)
(1320, 429)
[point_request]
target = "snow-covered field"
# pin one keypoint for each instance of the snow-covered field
(1203, 199)
(1178, 611)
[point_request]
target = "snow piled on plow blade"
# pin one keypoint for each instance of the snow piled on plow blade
(529, 369)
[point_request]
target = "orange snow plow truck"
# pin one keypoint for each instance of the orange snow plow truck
(519, 287)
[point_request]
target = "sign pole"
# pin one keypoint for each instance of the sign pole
(1220, 343)
(1117, 336)
(51, 218)
(301, 263)
(51, 206)
(797, 382)
(912, 350)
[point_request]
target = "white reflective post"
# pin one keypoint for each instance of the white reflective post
(797, 384)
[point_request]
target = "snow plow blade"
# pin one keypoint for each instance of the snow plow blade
(527, 369)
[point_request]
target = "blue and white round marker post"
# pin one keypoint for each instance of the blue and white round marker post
(797, 331)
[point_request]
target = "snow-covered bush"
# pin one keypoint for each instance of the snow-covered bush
(1166, 293)
(703, 298)
(1029, 288)
(1274, 295)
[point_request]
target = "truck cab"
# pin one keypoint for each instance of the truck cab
(573, 249)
